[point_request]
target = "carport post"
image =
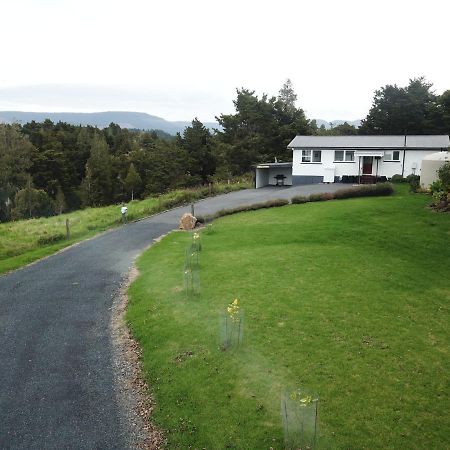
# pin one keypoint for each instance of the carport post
(192, 209)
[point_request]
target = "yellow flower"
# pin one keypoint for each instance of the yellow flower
(307, 399)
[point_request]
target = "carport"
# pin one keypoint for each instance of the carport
(273, 174)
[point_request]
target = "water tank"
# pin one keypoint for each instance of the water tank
(430, 166)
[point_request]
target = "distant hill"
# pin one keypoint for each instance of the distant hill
(126, 119)
(320, 122)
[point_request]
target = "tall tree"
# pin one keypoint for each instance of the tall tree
(133, 181)
(439, 115)
(400, 110)
(97, 184)
(196, 141)
(288, 97)
(15, 160)
(260, 129)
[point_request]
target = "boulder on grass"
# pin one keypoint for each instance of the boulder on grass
(187, 222)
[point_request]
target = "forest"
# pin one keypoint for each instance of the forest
(49, 168)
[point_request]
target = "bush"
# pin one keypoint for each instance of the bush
(441, 189)
(368, 190)
(30, 202)
(255, 206)
(436, 186)
(321, 197)
(444, 176)
(414, 182)
(349, 179)
(51, 239)
(397, 178)
(298, 199)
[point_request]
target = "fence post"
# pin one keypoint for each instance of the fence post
(192, 209)
(67, 229)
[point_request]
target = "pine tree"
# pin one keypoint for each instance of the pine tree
(97, 184)
(288, 97)
(133, 181)
(196, 141)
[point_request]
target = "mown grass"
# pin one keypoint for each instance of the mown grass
(23, 241)
(347, 298)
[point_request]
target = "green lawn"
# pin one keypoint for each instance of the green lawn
(20, 241)
(347, 298)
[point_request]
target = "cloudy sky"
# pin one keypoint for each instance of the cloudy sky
(179, 59)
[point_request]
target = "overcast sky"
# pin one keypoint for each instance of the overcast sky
(179, 59)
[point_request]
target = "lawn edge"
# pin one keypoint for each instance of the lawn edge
(132, 392)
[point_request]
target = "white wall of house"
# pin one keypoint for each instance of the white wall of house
(415, 156)
(413, 162)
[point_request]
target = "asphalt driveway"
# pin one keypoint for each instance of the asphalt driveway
(56, 368)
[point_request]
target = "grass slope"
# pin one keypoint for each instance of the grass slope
(348, 298)
(19, 241)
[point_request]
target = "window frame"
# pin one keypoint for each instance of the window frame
(391, 153)
(310, 155)
(344, 156)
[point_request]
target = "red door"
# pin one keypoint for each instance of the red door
(367, 165)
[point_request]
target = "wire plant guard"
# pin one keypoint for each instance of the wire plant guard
(299, 413)
(232, 328)
(191, 272)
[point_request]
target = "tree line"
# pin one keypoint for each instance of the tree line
(48, 168)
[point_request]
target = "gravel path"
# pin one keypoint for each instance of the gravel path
(56, 355)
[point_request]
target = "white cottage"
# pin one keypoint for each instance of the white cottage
(318, 159)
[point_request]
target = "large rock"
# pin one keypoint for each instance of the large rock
(187, 222)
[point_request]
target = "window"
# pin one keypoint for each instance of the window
(392, 155)
(339, 155)
(349, 155)
(344, 155)
(311, 156)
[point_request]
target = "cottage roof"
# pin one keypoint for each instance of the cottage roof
(399, 141)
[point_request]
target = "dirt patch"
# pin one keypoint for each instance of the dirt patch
(133, 394)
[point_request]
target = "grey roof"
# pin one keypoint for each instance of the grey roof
(273, 165)
(429, 141)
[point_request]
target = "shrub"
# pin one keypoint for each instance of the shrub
(349, 179)
(444, 176)
(298, 199)
(397, 178)
(30, 202)
(321, 197)
(253, 207)
(51, 239)
(274, 203)
(367, 190)
(414, 182)
(441, 189)
(436, 186)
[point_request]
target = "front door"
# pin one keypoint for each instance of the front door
(367, 165)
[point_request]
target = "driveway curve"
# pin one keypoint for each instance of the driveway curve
(56, 355)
